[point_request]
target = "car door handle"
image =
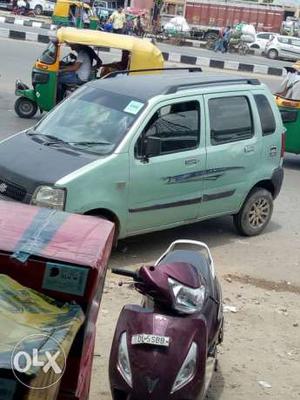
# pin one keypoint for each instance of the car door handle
(249, 148)
(191, 161)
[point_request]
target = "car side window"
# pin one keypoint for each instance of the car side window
(284, 40)
(264, 36)
(266, 115)
(175, 128)
(296, 42)
(230, 119)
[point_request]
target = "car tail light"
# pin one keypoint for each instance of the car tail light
(282, 144)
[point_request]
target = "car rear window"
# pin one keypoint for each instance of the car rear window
(266, 115)
(230, 119)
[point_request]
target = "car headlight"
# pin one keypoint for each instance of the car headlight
(187, 300)
(123, 360)
(47, 196)
(187, 370)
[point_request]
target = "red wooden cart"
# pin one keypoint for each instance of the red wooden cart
(64, 256)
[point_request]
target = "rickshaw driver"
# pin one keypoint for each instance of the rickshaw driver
(290, 86)
(78, 72)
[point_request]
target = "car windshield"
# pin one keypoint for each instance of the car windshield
(92, 119)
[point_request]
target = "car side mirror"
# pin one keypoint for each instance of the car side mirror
(152, 146)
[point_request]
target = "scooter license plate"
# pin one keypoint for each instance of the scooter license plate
(154, 340)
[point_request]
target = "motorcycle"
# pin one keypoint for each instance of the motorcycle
(166, 348)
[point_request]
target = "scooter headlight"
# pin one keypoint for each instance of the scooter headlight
(123, 360)
(187, 300)
(188, 369)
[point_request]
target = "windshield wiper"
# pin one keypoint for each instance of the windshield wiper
(53, 139)
(86, 143)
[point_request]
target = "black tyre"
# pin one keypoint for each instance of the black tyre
(243, 49)
(25, 108)
(272, 54)
(255, 213)
(210, 44)
(38, 10)
(211, 36)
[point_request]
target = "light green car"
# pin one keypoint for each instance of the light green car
(153, 152)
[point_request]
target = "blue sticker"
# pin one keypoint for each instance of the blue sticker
(7, 389)
(65, 278)
(133, 107)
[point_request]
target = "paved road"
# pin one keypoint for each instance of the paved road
(274, 255)
(249, 59)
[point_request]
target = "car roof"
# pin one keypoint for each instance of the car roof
(288, 37)
(144, 87)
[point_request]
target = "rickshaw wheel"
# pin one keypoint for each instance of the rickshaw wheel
(25, 108)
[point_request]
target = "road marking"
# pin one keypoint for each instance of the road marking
(203, 61)
(19, 22)
(36, 24)
(32, 36)
(4, 33)
(261, 69)
(174, 57)
(229, 64)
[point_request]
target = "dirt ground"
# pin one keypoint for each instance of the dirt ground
(261, 345)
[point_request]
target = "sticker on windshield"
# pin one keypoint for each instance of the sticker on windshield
(133, 107)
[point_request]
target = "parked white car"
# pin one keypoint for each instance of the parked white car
(261, 41)
(42, 6)
(287, 47)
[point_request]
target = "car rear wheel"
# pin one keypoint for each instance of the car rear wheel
(273, 54)
(255, 213)
(38, 10)
(25, 108)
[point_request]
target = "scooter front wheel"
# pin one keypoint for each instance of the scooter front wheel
(25, 108)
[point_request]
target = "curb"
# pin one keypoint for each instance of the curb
(171, 57)
(226, 64)
(25, 22)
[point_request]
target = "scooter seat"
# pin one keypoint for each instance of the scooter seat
(195, 259)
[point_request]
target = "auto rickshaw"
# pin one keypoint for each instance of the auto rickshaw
(290, 113)
(43, 95)
(71, 13)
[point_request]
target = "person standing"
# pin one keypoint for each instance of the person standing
(219, 41)
(226, 39)
(118, 20)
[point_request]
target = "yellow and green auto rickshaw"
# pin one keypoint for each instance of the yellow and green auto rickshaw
(290, 114)
(143, 55)
(74, 13)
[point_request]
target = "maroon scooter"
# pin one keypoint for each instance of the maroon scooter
(167, 347)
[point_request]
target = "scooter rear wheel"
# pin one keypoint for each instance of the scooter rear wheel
(25, 108)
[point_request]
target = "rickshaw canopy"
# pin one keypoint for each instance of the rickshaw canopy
(62, 7)
(144, 54)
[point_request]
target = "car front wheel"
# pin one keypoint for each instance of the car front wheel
(255, 213)
(272, 54)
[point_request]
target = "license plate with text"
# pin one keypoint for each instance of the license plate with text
(154, 340)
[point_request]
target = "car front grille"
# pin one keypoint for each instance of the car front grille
(11, 190)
